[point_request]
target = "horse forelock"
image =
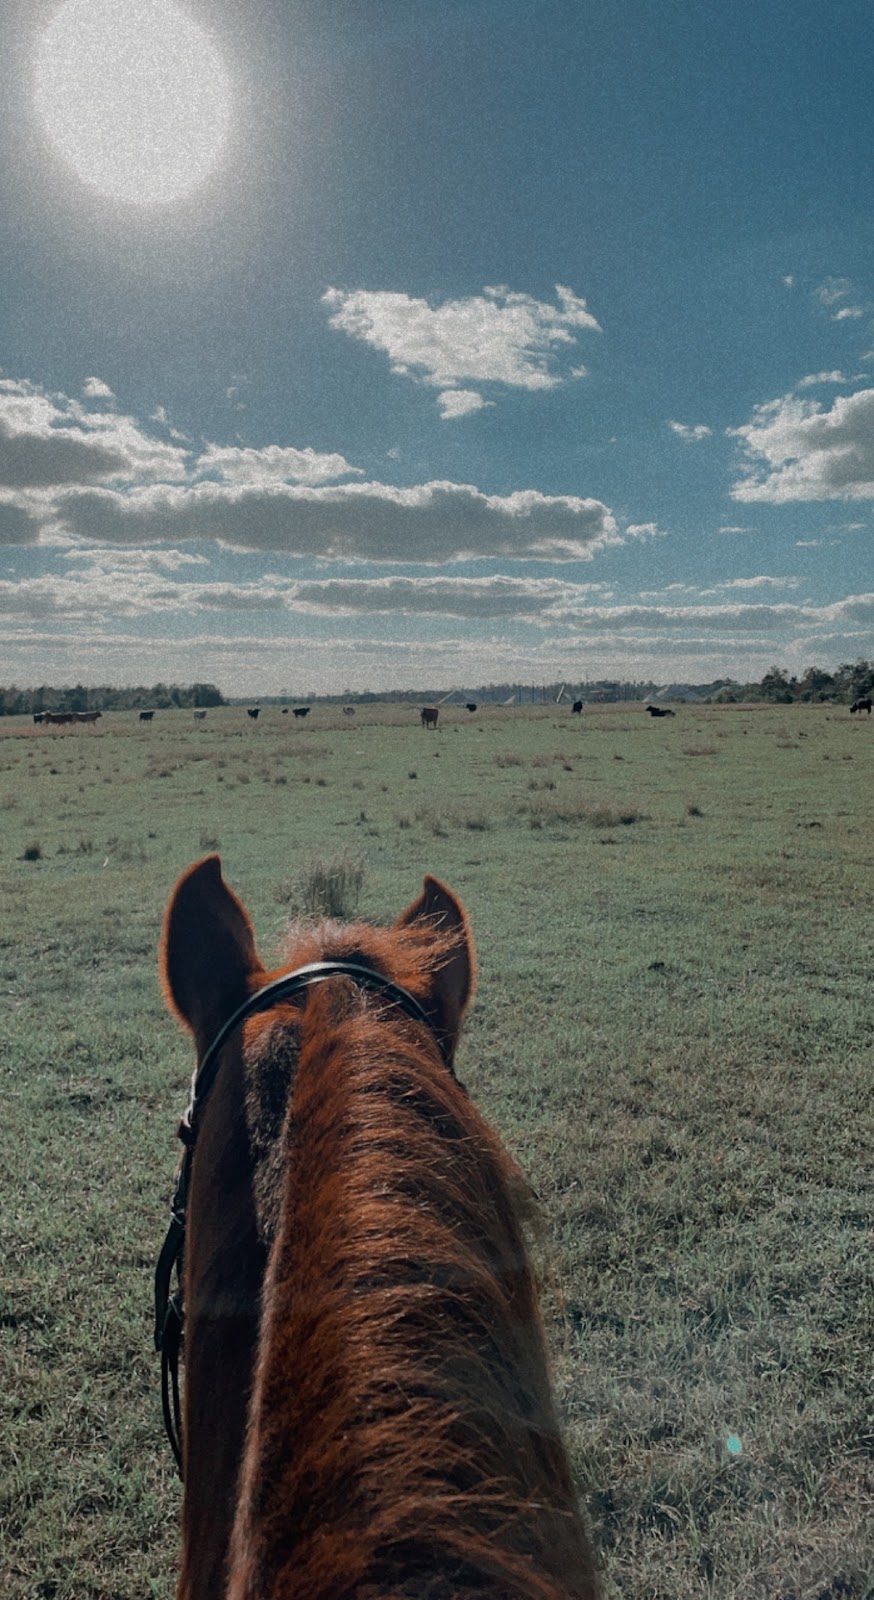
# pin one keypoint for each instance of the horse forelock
(402, 1436)
(408, 955)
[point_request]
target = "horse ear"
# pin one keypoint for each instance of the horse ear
(455, 977)
(207, 955)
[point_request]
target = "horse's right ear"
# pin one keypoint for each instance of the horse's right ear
(207, 958)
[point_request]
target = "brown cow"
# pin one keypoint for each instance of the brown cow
(429, 715)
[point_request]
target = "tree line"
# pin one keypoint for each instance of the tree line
(108, 697)
(846, 683)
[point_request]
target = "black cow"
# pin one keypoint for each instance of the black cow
(253, 712)
(660, 711)
(146, 716)
(429, 715)
(862, 704)
(39, 716)
(302, 711)
(577, 708)
(348, 711)
(470, 705)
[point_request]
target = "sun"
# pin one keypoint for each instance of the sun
(134, 95)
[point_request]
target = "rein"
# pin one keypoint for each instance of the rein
(169, 1309)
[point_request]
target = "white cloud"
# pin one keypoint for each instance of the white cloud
(760, 582)
(644, 530)
(429, 522)
(690, 433)
(799, 451)
(69, 474)
(498, 336)
(274, 464)
(831, 292)
(480, 598)
(820, 377)
(730, 527)
(49, 440)
(460, 402)
(96, 389)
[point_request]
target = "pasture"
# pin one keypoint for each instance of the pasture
(673, 1032)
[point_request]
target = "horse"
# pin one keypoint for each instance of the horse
(367, 1409)
(429, 715)
(864, 703)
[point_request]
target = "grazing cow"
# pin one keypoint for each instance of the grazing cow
(471, 705)
(39, 716)
(301, 711)
(200, 716)
(862, 704)
(429, 715)
(348, 711)
(367, 1407)
(58, 716)
(252, 711)
(146, 716)
(577, 708)
(660, 711)
(86, 716)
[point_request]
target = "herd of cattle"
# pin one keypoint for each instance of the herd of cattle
(429, 714)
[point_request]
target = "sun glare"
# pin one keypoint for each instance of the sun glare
(134, 95)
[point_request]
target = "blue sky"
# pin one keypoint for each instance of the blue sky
(502, 340)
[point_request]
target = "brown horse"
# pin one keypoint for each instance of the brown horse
(367, 1408)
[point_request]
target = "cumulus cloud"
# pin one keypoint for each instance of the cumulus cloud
(460, 402)
(68, 473)
(272, 464)
(429, 522)
(96, 389)
(50, 440)
(797, 450)
(690, 433)
(496, 337)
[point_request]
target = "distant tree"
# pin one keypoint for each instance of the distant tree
(815, 684)
(776, 686)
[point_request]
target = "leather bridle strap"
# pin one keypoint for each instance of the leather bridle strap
(169, 1313)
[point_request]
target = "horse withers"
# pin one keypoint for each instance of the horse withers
(367, 1408)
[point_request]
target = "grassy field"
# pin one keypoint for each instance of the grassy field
(673, 1031)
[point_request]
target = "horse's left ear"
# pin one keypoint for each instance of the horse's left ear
(455, 976)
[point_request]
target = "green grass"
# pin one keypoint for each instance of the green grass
(673, 1031)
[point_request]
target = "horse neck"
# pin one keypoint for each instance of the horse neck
(402, 1430)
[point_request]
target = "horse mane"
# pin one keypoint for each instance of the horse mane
(402, 1437)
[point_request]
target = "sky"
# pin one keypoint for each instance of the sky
(434, 343)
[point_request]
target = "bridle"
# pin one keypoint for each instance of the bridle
(169, 1308)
